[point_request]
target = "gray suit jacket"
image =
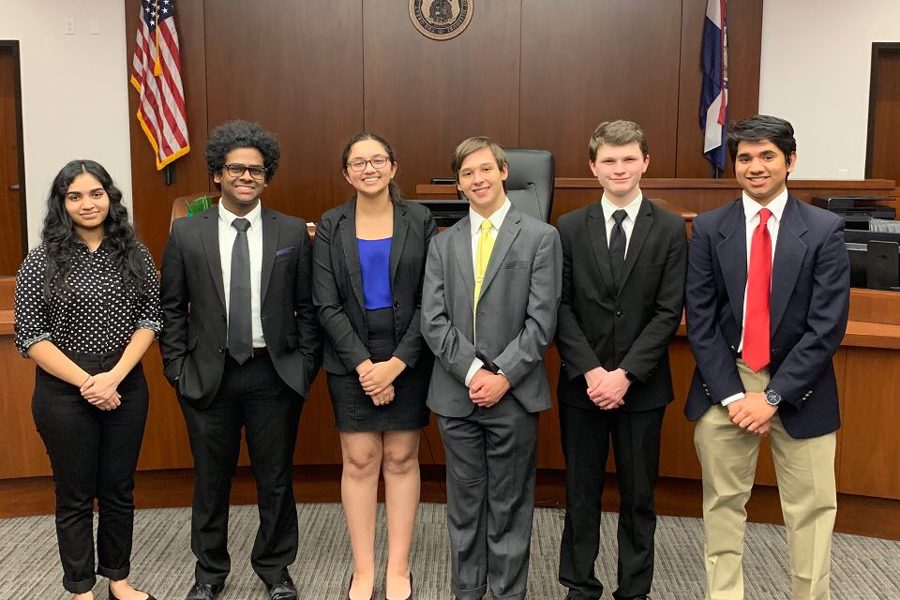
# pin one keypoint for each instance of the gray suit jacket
(516, 312)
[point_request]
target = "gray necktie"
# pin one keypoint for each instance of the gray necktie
(240, 335)
(617, 245)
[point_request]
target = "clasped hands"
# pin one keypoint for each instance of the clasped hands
(486, 388)
(100, 390)
(377, 378)
(606, 389)
(752, 413)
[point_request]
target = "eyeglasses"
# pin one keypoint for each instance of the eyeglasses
(359, 164)
(237, 169)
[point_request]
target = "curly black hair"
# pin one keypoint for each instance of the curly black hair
(60, 238)
(241, 134)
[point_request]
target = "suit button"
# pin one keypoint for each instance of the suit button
(224, 319)
(396, 305)
(220, 349)
(620, 314)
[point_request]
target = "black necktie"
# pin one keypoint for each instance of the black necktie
(240, 335)
(617, 245)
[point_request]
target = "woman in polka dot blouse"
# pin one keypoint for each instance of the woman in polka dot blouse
(86, 310)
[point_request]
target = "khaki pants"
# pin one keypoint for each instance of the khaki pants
(806, 485)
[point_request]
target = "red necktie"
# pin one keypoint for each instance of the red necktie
(759, 285)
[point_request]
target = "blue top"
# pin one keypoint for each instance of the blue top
(375, 265)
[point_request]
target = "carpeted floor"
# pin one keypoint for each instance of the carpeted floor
(163, 564)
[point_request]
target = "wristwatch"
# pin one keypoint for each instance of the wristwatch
(773, 398)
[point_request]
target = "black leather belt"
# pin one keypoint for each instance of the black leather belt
(257, 352)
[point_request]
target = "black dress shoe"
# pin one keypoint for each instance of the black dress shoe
(283, 590)
(114, 597)
(204, 591)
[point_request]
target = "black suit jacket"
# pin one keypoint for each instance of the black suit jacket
(338, 288)
(807, 313)
(626, 324)
(195, 330)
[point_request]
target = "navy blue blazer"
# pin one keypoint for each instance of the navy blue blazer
(808, 312)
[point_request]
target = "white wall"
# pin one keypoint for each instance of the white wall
(815, 66)
(74, 91)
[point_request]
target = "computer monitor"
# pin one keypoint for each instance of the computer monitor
(874, 259)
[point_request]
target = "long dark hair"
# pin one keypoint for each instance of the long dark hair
(60, 238)
(393, 188)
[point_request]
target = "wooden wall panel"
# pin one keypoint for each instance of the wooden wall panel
(744, 38)
(23, 452)
(425, 96)
(584, 62)
(297, 68)
(870, 448)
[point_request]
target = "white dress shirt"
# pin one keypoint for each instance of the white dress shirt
(751, 221)
(631, 211)
(475, 221)
(227, 233)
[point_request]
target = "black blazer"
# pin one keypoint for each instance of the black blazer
(338, 288)
(195, 329)
(629, 324)
(807, 313)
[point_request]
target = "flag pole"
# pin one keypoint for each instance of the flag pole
(169, 174)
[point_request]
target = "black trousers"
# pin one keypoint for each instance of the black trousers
(585, 439)
(93, 454)
(491, 457)
(251, 397)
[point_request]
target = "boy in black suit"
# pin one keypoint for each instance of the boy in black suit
(623, 292)
(240, 343)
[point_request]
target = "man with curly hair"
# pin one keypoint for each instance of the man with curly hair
(241, 347)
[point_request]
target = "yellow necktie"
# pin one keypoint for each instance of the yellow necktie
(482, 256)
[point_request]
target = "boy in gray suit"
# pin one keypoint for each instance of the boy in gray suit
(491, 293)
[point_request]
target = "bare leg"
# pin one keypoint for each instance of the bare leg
(401, 495)
(361, 453)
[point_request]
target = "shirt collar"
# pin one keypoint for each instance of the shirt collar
(475, 220)
(254, 216)
(776, 206)
(631, 209)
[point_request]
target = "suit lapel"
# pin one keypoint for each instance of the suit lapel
(401, 226)
(270, 230)
(209, 237)
(596, 228)
(505, 237)
(347, 229)
(789, 253)
(732, 253)
(639, 233)
(462, 250)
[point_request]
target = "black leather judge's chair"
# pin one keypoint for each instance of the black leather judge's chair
(531, 181)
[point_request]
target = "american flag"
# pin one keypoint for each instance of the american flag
(714, 94)
(156, 75)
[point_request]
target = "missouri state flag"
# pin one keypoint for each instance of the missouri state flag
(714, 94)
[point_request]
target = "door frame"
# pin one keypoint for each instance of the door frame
(20, 142)
(878, 49)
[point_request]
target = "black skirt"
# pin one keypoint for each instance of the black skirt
(355, 411)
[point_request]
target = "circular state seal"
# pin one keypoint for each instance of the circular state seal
(440, 19)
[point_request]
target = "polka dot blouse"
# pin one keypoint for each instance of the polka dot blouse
(96, 315)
